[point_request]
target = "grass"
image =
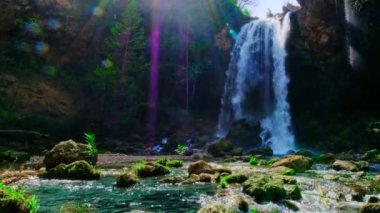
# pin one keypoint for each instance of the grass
(12, 194)
(90, 139)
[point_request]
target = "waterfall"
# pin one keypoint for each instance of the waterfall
(256, 83)
(354, 58)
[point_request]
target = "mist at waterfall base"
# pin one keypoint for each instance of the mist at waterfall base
(256, 84)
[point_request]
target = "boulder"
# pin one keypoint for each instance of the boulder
(67, 152)
(263, 151)
(151, 170)
(297, 162)
(203, 167)
(240, 203)
(216, 208)
(370, 208)
(236, 178)
(325, 158)
(127, 180)
(200, 167)
(221, 148)
(350, 166)
(78, 170)
(205, 178)
(264, 188)
(293, 191)
(305, 153)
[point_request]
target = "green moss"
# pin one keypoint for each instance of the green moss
(235, 178)
(11, 197)
(169, 163)
(253, 161)
(223, 182)
(74, 207)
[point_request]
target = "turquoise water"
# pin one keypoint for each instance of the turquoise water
(103, 196)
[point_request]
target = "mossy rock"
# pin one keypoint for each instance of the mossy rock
(236, 178)
(370, 208)
(297, 162)
(220, 148)
(67, 152)
(152, 170)
(74, 207)
(372, 156)
(270, 188)
(216, 208)
(23, 204)
(127, 180)
(170, 163)
(175, 163)
(293, 191)
(325, 158)
(350, 166)
(203, 167)
(283, 170)
(78, 170)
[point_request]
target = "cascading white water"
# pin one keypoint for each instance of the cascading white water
(256, 85)
(354, 58)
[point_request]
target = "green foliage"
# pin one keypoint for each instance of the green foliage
(138, 166)
(90, 139)
(12, 194)
(181, 149)
(169, 163)
(253, 161)
(246, 12)
(253, 211)
(223, 182)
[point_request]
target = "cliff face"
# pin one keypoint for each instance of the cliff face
(327, 96)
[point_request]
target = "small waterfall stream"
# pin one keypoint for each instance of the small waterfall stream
(256, 84)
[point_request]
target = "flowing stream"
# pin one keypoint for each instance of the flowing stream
(256, 84)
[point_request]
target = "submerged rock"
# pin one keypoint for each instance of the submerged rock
(78, 170)
(297, 162)
(370, 208)
(126, 180)
(67, 152)
(216, 208)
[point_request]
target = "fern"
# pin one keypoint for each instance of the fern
(90, 139)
